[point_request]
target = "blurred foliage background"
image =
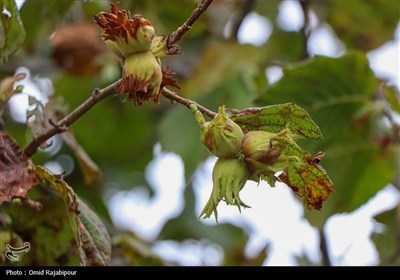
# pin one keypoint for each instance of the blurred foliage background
(355, 110)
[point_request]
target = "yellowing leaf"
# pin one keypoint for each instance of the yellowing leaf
(306, 177)
(310, 182)
(334, 91)
(302, 173)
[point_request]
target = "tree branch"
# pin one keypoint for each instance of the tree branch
(186, 102)
(326, 261)
(247, 7)
(100, 94)
(59, 127)
(305, 30)
(394, 126)
(181, 30)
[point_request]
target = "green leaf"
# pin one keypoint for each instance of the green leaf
(388, 242)
(301, 172)
(334, 91)
(188, 145)
(12, 32)
(230, 59)
(284, 46)
(358, 170)
(328, 89)
(94, 238)
(91, 236)
(47, 230)
(361, 24)
(130, 129)
(55, 110)
(275, 118)
(392, 95)
(270, 9)
(40, 20)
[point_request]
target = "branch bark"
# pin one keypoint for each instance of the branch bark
(180, 31)
(186, 102)
(99, 94)
(59, 127)
(323, 245)
(305, 30)
(247, 7)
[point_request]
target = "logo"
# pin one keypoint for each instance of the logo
(12, 252)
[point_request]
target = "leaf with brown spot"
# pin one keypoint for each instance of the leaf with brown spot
(309, 181)
(275, 118)
(303, 174)
(16, 176)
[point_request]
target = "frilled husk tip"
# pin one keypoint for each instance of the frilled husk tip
(142, 77)
(229, 177)
(123, 34)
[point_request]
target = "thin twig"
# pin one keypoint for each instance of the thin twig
(393, 124)
(305, 30)
(60, 126)
(181, 30)
(326, 260)
(247, 7)
(187, 102)
(99, 94)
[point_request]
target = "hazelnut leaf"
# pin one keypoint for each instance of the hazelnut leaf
(309, 181)
(275, 118)
(91, 236)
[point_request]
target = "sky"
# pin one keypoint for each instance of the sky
(348, 234)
